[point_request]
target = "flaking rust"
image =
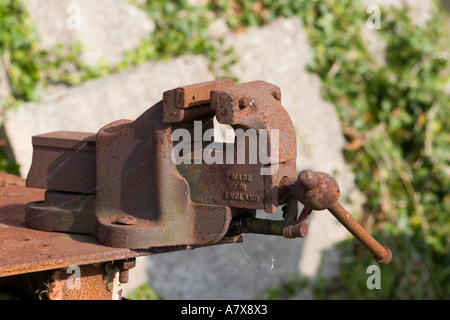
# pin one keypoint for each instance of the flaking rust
(99, 282)
(124, 185)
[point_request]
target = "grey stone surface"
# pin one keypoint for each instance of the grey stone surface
(232, 271)
(106, 28)
(92, 105)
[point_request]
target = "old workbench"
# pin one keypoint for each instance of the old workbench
(49, 265)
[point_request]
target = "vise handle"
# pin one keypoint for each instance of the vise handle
(320, 191)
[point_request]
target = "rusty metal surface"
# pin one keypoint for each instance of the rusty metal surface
(250, 106)
(257, 105)
(382, 254)
(319, 191)
(136, 177)
(25, 250)
(62, 212)
(190, 102)
(63, 161)
(124, 267)
(241, 186)
(95, 282)
(141, 199)
(316, 191)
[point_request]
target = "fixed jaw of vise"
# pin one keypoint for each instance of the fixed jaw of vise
(164, 179)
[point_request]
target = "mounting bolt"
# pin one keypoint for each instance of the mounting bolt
(124, 266)
(245, 103)
(127, 220)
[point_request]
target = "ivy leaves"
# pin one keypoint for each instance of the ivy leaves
(18, 51)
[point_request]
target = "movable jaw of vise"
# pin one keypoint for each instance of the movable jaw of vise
(163, 180)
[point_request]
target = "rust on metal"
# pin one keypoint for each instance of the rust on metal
(198, 94)
(24, 250)
(315, 190)
(247, 223)
(124, 267)
(190, 102)
(382, 254)
(132, 202)
(122, 187)
(319, 191)
(63, 161)
(126, 220)
(256, 105)
(250, 106)
(95, 282)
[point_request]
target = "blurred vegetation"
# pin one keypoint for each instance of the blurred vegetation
(286, 290)
(18, 48)
(143, 292)
(395, 115)
(396, 119)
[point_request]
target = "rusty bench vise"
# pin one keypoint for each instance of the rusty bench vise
(126, 186)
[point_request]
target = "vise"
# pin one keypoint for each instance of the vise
(164, 179)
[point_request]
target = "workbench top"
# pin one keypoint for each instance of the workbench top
(24, 250)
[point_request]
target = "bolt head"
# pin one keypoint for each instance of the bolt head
(126, 220)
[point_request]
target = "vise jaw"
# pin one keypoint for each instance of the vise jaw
(164, 180)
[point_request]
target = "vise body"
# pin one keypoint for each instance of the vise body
(165, 180)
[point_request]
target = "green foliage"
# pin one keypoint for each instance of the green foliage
(29, 68)
(143, 292)
(396, 117)
(399, 111)
(18, 50)
(287, 289)
(182, 28)
(7, 164)
(412, 274)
